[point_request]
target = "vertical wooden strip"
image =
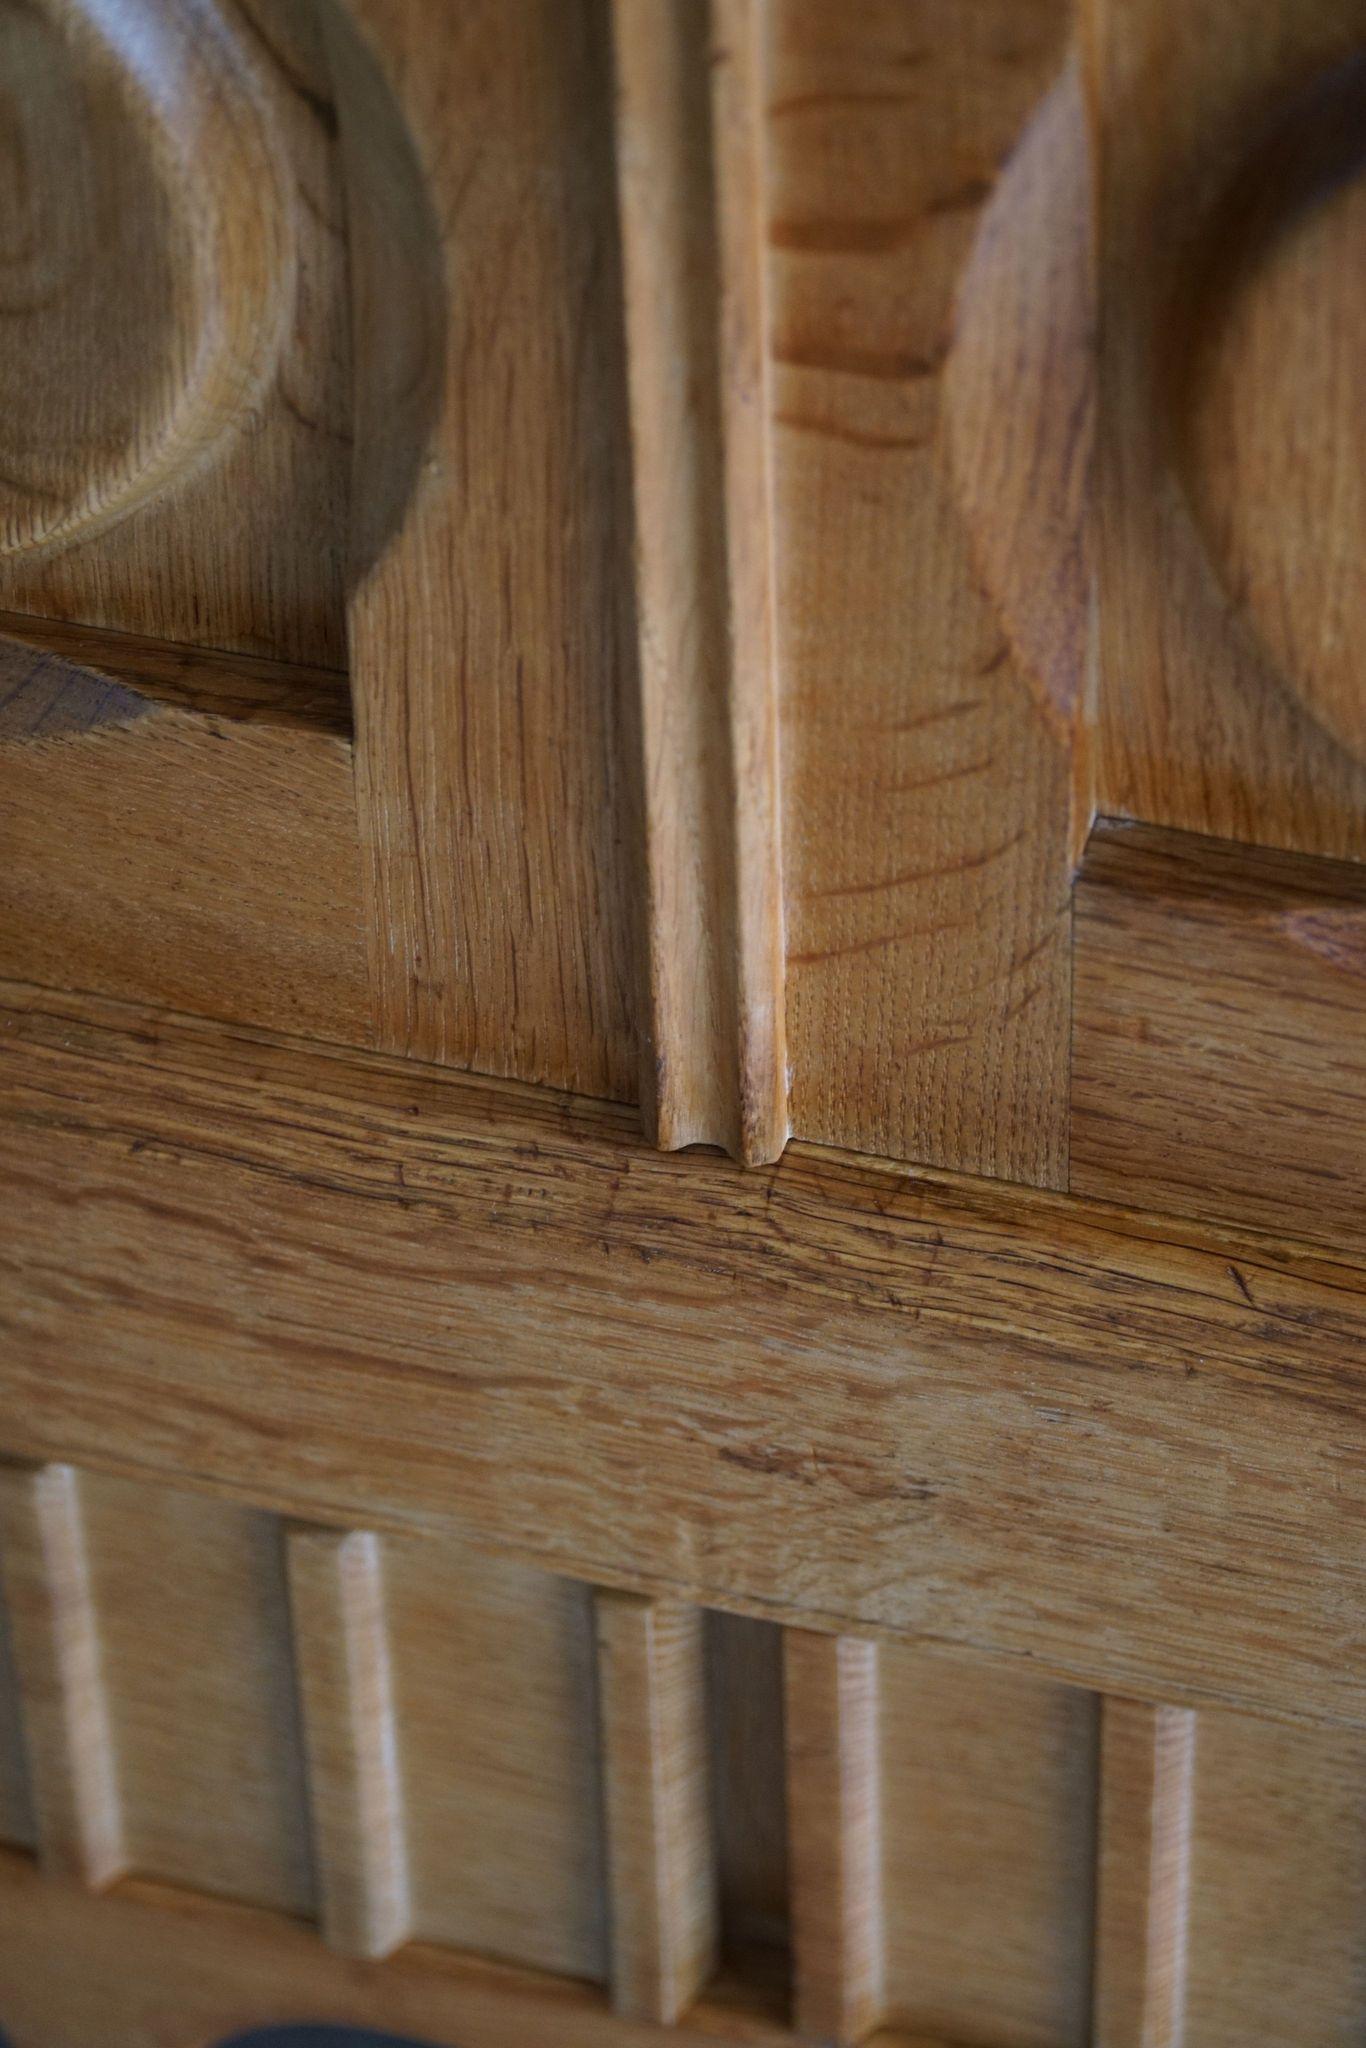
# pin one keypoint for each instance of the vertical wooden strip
(690, 152)
(46, 1582)
(661, 1862)
(355, 1796)
(1147, 1780)
(834, 1833)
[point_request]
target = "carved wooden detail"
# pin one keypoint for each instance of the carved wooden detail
(581, 579)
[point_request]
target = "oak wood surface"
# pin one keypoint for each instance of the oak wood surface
(843, 1393)
(188, 859)
(490, 628)
(175, 347)
(661, 1853)
(163, 1966)
(74, 1799)
(339, 1629)
(1219, 1032)
(834, 1795)
(1143, 1874)
(925, 794)
(1207, 720)
(56, 678)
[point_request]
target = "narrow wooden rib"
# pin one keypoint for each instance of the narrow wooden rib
(690, 167)
(661, 1867)
(834, 1815)
(46, 1582)
(1147, 1774)
(336, 1591)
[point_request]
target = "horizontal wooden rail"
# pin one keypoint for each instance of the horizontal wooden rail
(831, 1391)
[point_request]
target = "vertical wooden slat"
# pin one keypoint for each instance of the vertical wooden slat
(46, 1580)
(834, 1845)
(661, 1862)
(690, 167)
(355, 1795)
(1147, 1779)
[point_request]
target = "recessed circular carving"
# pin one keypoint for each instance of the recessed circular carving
(146, 254)
(1270, 397)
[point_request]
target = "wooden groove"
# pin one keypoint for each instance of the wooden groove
(46, 1582)
(661, 1861)
(1147, 1783)
(57, 678)
(336, 1591)
(691, 184)
(834, 1834)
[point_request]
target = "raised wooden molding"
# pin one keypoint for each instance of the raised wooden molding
(660, 1853)
(1143, 1886)
(834, 1798)
(848, 1395)
(355, 1791)
(690, 150)
(46, 1582)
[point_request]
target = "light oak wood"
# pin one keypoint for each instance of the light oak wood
(1219, 1050)
(150, 1951)
(57, 679)
(71, 1773)
(1215, 701)
(834, 1792)
(1143, 1874)
(925, 793)
(491, 620)
(191, 1610)
(175, 355)
(660, 1852)
(355, 1794)
(493, 1675)
(988, 1834)
(846, 1448)
(690, 146)
(188, 859)
(1276, 1949)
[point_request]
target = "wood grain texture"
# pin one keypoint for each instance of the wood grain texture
(660, 1852)
(845, 1395)
(493, 1693)
(834, 1795)
(355, 1796)
(491, 634)
(690, 134)
(18, 1824)
(159, 1965)
(57, 679)
(189, 860)
(1277, 1946)
(1216, 707)
(191, 1607)
(72, 1778)
(925, 793)
(988, 1834)
(175, 358)
(745, 1679)
(1143, 1874)
(1219, 1047)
